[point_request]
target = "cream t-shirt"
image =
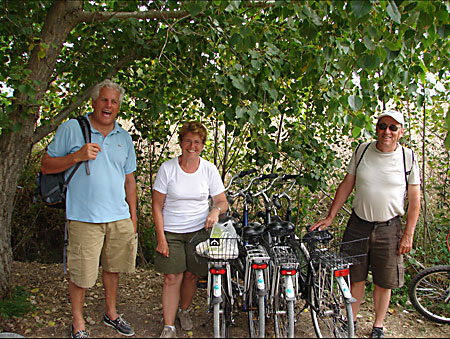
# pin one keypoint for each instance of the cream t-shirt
(380, 187)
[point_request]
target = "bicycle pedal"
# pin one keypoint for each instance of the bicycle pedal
(202, 283)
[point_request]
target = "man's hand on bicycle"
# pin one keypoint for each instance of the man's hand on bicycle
(321, 224)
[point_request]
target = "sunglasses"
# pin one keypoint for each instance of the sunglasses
(384, 126)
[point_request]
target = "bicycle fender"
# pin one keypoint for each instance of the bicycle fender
(344, 288)
(217, 287)
(290, 292)
(260, 285)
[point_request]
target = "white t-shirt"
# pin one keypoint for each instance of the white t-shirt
(186, 206)
(380, 186)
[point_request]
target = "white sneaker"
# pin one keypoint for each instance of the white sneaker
(167, 332)
(185, 320)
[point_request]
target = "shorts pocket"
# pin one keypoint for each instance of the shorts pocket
(400, 271)
(133, 245)
(74, 259)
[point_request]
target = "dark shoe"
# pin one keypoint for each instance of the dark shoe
(185, 320)
(377, 332)
(119, 324)
(79, 334)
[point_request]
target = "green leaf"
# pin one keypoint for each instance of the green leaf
(239, 83)
(327, 53)
(235, 39)
(360, 7)
(444, 31)
(369, 43)
(394, 12)
(447, 141)
(356, 131)
(273, 93)
(447, 119)
(141, 104)
(194, 8)
(355, 102)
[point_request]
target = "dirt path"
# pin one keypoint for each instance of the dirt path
(140, 303)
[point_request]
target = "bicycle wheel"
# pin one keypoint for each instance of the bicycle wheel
(305, 276)
(429, 293)
(284, 319)
(222, 312)
(331, 315)
(256, 311)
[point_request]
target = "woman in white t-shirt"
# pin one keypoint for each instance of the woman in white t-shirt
(180, 207)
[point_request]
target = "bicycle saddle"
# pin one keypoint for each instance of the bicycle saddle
(316, 236)
(288, 226)
(253, 230)
(276, 229)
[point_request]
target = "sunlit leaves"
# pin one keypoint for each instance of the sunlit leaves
(393, 11)
(355, 102)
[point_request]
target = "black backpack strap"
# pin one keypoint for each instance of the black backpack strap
(407, 173)
(362, 154)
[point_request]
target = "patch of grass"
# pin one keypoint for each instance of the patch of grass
(16, 304)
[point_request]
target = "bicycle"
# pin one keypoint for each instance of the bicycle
(219, 251)
(254, 259)
(324, 282)
(429, 292)
(283, 264)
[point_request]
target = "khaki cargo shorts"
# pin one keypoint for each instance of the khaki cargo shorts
(387, 266)
(181, 255)
(113, 244)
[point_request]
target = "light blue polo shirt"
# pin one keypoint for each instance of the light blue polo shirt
(100, 196)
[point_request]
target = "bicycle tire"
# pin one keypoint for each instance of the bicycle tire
(305, 275)
(256, 311)
(284, 319)
(222, 313)
(216, 317)
(429, 292)
(332, 315)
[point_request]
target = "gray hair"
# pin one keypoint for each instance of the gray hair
(108, 84)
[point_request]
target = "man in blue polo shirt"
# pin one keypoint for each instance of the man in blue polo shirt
(101, 205)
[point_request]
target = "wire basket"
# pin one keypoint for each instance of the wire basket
(212, 249)
(340, 254)
(283, 256)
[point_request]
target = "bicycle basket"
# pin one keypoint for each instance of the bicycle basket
(340, 254)
(219, 245)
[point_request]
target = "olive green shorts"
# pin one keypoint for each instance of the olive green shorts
(181, 255)
(112, 244)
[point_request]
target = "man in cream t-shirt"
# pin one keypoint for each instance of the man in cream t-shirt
(378, 175)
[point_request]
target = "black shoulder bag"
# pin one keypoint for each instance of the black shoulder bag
(51, 188)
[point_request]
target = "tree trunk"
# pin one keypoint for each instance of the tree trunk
(15, 145)
(13, 150)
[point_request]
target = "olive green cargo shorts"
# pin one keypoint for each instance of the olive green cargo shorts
(181, 255)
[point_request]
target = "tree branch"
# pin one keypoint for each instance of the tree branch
(45, 129)
(105, 16)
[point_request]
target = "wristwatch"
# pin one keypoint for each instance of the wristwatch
(220, 210)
